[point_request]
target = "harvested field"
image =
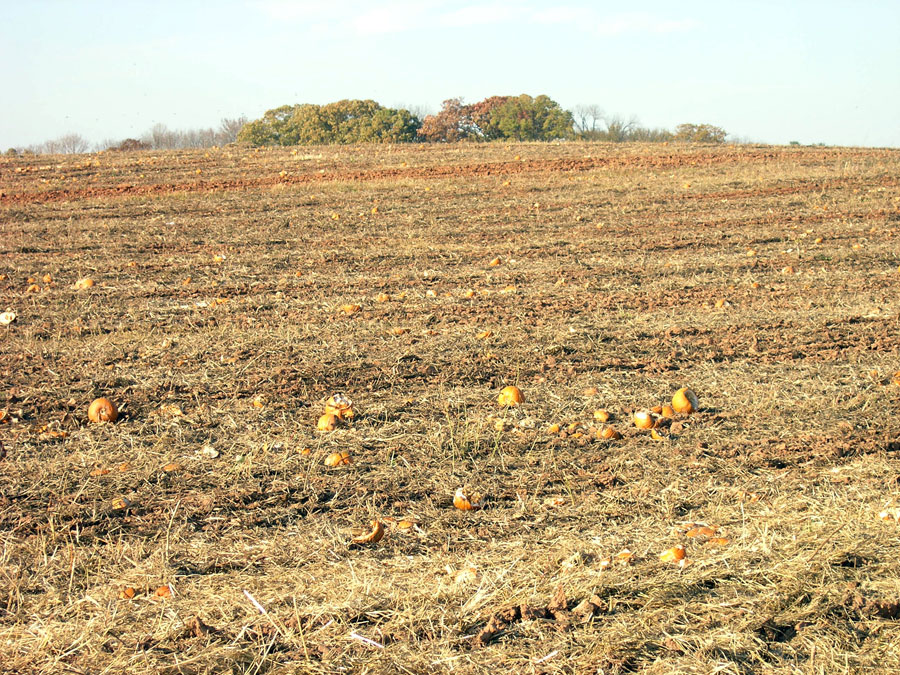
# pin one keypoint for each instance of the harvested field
(236, 290)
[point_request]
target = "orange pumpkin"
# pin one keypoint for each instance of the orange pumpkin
(510, 396)
(685, 401)
(700, 531)
(643, 419)
(102, 410)
(340, 406)
(672, 554)
(465, 501)
(327, 422)
(338, 458)
(371, 537)
(608, 433)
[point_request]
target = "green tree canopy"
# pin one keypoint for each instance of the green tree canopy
(532, 119)
(347, 121)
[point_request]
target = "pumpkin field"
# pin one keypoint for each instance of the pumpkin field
(409, 409)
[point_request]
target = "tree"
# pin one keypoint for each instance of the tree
(347, 121)
(229, 128)
(645, 135)
(520, 117)
(129, 145)
(476, 123)
(396, 125)
(69, 144)
(587, 117)
(532, 119)
(446, 125)
(271, 129)
(700, 133)
(618, 130)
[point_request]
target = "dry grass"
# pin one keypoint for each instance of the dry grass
(216, 321)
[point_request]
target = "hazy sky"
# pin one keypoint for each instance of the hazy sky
(767, 71)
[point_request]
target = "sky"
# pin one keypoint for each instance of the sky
(772, 72)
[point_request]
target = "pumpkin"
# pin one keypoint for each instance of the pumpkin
(700, 531)
(327, 422)
(510, 396)
(685, 401)
(340, 406)
(84, 284)
(371, 537)
(338, 458)
(467, 575)
(466, 502)
(608, 433)
(102, 410)
(625, 557)
(672, 554)
(643, 419)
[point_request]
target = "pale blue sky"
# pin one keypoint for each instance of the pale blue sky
(767, 71)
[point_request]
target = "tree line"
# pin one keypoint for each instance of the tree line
(159, 137)
(520, 118)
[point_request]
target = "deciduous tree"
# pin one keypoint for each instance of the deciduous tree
(700, 133)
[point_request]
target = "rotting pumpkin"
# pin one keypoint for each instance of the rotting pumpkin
(102, 410)
(685, 401)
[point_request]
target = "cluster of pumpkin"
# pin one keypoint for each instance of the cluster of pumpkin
(35, 287)
(684, 402)
(338, 409)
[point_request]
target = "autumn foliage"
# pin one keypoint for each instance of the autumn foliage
(519, 118)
